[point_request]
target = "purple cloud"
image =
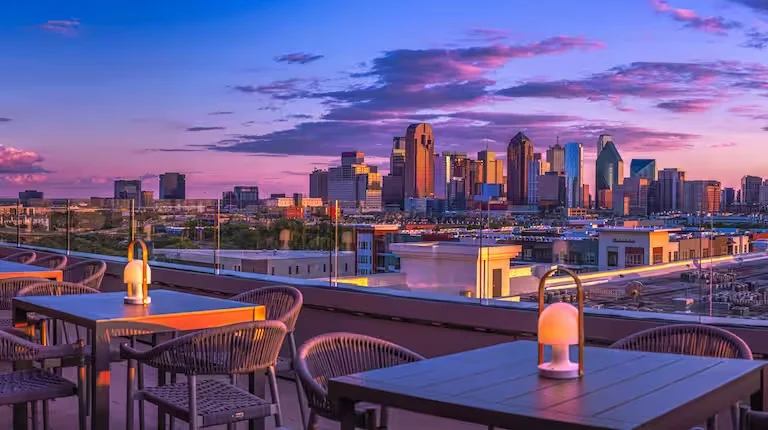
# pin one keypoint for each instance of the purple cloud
(286, 89)
(298, 58)
(205, 128)
(687, 106)
(221, 112)
(487, 34)
(300, 116)
(5, 120)
(709, 24)
(724, 145)
(67, 27)
(19, 166)
(757, 5)
(756, 39)
(652, 80)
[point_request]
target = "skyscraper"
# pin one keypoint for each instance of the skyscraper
(556, 158)
(173, 186)
(397, 157)
(246, 196)
(643, 168)
(603, 140)
(671, 190)
(536, 168)
(493, 169)
(750, 189)
(355, 185)
(574, 174)
(128, 190)
(519, 154)
(419, 161)
(728, 199)
(702, 196)
(318, 184)
(609, 173)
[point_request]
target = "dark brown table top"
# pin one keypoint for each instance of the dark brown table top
(500, 385)
(91, 308)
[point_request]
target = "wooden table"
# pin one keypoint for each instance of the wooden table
(106, 316)
(9, 269)
(500, 386)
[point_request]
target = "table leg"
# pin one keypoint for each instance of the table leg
(100, 379)
(759, 400)
(347, 412)
(20, 411)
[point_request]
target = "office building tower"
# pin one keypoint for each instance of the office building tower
(246, 196)
(631, 197)
(457, 194)
(556, 158)
(397, 157)
(318, 184)
(147, 199)
(419, 161)
(448, 166)
(173, 186)
(728, 199)
(492, 169)
(738, 196)
(609, 173)
(750, 189)
(355, 185)
(519, 155)
(392, 192)
(30, 197)
(643, 168)
(536, 168)
(603, 140)
(574, 174)
(702, 196)
(228, 199)
(586, 199)
(764, 193)
(671, 190)
(551, 191)
(128, 190)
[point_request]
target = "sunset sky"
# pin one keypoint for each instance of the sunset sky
(261, 92)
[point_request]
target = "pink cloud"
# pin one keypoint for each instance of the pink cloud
(687, 106)
(709, 24)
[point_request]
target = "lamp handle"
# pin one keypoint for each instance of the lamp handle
(580, 298)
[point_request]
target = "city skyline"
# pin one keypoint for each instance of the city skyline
(232, 94)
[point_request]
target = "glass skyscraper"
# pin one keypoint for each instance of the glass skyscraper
(574, 174)
(609, 174)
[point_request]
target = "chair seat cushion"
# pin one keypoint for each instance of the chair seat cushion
(218, 402)
(33, 385)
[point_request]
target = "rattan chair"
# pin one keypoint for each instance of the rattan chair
(35, 385)
(690, 339)
(21, 257)
(53, 262)
(338, 354)
(282, 303)
(89, 273)
(9, 288)
(230, 350)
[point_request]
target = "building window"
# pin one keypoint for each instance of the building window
(324, 267)
(669, 258)
(676, 255)
(308, 267)
(297, 270)
(273, 271)
(346, 267)
(691, 254)
(705, 253)
(658, 255)
(634, 256)
(290, 270)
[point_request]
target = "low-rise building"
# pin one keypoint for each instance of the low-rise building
(621, 247)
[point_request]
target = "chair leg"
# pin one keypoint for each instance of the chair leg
(735, 416)
(275, 395)
(82, 406)
(129, 395)
(383, 418)
(312, 421)
(140, 372)
(172, 419)
(299, 388)
(46, 415)
(370, 419)
(34, 416)
(192, 385)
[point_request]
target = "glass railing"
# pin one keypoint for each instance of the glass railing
(701, 272)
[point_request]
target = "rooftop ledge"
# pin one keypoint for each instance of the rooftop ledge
(516, 319)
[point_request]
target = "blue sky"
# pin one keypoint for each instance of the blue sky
(255, 92)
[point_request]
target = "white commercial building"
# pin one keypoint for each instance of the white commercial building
(289, 263)
(456, 268)
(622, 247)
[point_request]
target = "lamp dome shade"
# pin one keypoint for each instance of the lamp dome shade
(559, 325)
(132, 272)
